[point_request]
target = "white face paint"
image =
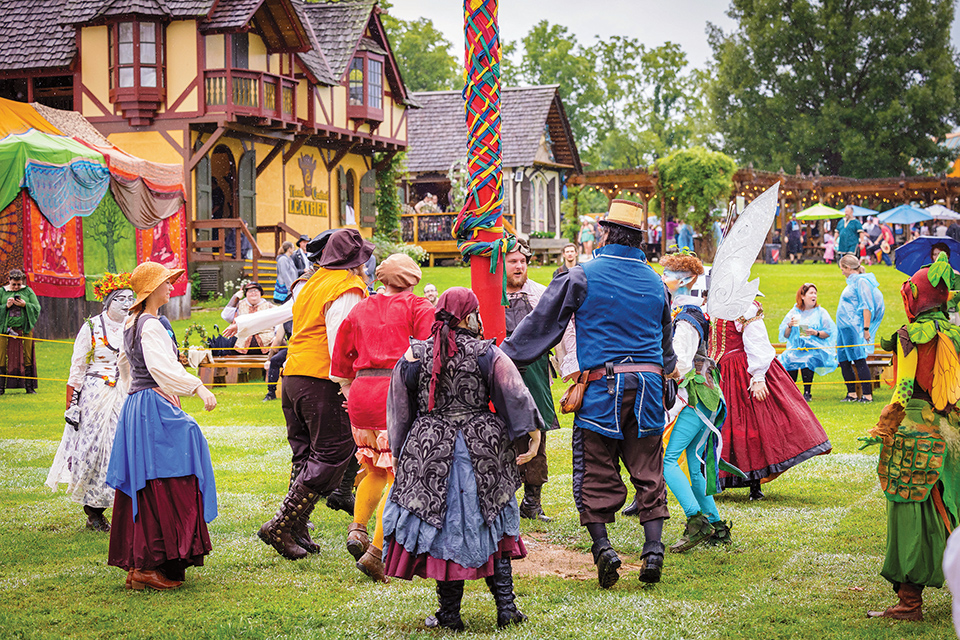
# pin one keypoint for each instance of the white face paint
(679, 282)
(120, 305)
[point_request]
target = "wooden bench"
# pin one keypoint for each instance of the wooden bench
(877, 362)
(232, 369)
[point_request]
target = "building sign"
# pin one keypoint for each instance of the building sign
(307, 201)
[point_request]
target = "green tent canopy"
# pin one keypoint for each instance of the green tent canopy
(819, 212)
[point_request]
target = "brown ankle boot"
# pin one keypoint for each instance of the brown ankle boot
(909, 606)
(153, 579)
(371, 564)
(357, 539)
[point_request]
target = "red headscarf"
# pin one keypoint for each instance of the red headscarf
(453, 306)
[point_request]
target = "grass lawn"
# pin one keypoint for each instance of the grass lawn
(804, 563)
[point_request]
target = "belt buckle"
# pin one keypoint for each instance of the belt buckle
(611, 377)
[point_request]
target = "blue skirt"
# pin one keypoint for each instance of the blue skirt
(156, 439)
(464, 538)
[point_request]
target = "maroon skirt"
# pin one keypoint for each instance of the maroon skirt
(400, 563)
(764, 439)
(169, 533)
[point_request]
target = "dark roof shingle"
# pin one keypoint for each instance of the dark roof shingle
(437, 132)
(338, 27)
(231, 14)
(31, 36)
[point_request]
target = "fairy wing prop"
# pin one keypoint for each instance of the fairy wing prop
(730, 293)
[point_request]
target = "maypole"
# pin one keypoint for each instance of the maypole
(479, 227)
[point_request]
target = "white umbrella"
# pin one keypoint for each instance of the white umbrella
(940, 212)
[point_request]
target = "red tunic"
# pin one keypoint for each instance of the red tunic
(374, 335)
(762, 439)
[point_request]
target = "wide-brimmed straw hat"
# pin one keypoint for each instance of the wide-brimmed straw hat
(147, 277)
(624, 213)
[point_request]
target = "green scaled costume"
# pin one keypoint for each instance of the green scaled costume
(919, 434)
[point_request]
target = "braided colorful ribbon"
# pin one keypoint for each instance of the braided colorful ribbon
(483, 208)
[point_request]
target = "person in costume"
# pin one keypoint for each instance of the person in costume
(623, 347)
(93, 403)
(768, 427)
(160, 464)
(371, 340)
(919, 432)
(19, 312)
(698, 412)
(811, 338)
(318, 427)
(245, 302)
(452, 513)
(523, 294)
(282, 315)
(859, 314)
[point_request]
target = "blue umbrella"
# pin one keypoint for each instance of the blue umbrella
(911, 257)
(904, 214)
(862, 212)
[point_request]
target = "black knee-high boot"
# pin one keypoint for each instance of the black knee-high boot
(449, 595)
(342, 498)
(501, 586)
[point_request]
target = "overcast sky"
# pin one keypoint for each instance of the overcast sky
(652, 21)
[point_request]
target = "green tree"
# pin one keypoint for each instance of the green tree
(389, 206)
(857, 88)
(552, 55)
(423, 55)
(693, 182)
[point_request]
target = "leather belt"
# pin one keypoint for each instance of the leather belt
(611, 370)
(381, 373)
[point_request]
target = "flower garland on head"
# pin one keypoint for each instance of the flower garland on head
(109, 283)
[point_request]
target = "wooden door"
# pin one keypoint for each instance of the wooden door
(203, 201)
(247, 190)
(368, 199)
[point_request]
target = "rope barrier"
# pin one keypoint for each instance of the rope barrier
(36, 339)
(839, 346)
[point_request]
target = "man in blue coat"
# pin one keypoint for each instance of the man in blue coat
(624, 341)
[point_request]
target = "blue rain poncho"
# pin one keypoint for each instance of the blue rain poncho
(862, 292)
(809, 352)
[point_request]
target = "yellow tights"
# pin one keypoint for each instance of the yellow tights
(369, 499)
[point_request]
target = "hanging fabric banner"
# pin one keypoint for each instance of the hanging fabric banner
(166, 243)
(109, 243)
(11, 237)
(53, 256)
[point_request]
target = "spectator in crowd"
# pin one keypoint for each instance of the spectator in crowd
(431, 294)
(300, 258)
(685, 236)
(19, 312)
(570, 255)
(953, 230)
(794, 241)
(811, 338)
(849, 231)
(586, 238)
(286, 273)
(941, 229)
(859, 314)
(249, 300)
(276, 357)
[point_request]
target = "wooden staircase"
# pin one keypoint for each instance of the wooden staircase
(266, 274)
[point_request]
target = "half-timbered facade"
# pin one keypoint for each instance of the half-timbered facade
(275, 108)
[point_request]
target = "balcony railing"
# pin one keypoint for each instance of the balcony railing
(251, 93)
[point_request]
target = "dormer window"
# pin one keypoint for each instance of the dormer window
(365, 85)
(136, 69)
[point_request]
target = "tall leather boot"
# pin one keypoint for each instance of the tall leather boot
(277, 532)
(530, 507)
(501, 587)
(301, 528)
(449, 595)
(342, 497)
(908, 608)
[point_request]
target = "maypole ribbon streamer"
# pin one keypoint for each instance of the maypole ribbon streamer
(483, 209)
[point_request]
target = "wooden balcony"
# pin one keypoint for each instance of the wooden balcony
(434, 232)
(239, 92)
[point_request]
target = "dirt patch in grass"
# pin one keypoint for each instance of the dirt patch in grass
(545, 559)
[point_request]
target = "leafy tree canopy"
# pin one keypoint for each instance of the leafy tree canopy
(852, 87)
(693, 182)
(423, 55)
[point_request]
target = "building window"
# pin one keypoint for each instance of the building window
(356, 82)
(539, 222)
(365, 83)
(240, 43)
(375, 84)
(136, 57)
